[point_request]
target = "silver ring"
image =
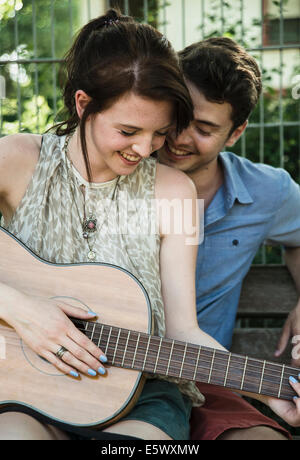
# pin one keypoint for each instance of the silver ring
(61, 352)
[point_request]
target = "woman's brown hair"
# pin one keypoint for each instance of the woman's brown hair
(112, 55)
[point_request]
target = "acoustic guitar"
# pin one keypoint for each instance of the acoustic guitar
(124, 333)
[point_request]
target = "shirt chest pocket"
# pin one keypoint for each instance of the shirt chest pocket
(237, 241)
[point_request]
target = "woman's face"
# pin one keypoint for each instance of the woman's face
(130, 130)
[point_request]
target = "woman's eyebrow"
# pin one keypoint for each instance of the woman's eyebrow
(136, 128)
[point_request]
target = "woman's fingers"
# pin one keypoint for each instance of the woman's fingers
(76, 312)
(83, 355)
(59, 364)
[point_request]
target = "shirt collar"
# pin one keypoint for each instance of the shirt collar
(235, 187)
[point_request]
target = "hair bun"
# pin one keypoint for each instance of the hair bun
(112, 16)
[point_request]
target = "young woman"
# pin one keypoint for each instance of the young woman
(123, 92)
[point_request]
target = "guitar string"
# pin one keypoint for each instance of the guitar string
(154, 355)
(204, 350)
(196, 347)
(271, 373)
(284, 388)
(225, 361)
(199, 367)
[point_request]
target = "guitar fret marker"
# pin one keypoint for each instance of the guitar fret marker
(184, 354)
(158, 352)
(101, 331)
(227, 369)
(244, 372)
(116, 346)
(107, 344)
(136, 347)
(93, 331)
(169, 360)
(125, 351)
(197, 362)
(211, 366)
(146, 352)
(281, 378)
(262, 376)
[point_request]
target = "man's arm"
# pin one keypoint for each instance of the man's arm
(291, 327)
(292, 259)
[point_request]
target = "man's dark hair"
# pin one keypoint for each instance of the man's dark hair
(224, 72)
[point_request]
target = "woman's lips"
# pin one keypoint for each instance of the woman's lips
(126, 158)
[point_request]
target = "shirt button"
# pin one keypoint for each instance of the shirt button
(235, 242)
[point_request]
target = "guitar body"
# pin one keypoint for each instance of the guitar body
(27, 380)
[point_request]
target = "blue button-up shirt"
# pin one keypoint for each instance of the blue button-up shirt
(256, 203)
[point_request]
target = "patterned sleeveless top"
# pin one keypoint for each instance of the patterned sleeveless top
(48, 221)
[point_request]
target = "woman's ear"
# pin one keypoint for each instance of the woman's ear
(81, 101)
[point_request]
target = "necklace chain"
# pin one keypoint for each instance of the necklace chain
(88, 225)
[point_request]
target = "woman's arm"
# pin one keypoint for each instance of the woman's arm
(43, 324)
(179, 223)
(178, 263)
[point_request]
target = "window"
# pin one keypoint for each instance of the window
(291, 31)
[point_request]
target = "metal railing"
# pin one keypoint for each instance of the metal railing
(34, 35)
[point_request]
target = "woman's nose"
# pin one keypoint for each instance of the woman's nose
(143, 148)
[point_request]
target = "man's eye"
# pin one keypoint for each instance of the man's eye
(163, 134)
(204, 133)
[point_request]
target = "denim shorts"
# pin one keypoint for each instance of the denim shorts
(163, 405)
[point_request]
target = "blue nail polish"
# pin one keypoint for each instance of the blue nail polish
(92, 313)
(74, 374)
(92, 372)
(292, 379)
(101, 370)
(103, 359)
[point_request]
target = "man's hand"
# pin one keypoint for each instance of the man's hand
(291, 329)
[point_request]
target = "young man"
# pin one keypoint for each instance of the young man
(245, 205)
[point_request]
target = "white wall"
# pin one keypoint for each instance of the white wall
(184, 20)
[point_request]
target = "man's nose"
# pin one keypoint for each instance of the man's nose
(182, 138)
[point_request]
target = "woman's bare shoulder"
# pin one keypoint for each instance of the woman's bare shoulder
(19, 154)
(172, 183)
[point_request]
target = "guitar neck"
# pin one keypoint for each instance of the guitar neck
(156, 355)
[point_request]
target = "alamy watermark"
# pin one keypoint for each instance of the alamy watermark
(296, 349)
(137, 218)
(296, 87)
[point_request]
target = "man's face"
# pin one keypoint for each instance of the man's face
(199, 145)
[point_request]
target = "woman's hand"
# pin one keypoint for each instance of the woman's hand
(45, 327)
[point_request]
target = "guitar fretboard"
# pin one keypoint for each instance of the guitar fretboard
(156, 355)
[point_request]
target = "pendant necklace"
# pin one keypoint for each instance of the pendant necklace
(88, 224)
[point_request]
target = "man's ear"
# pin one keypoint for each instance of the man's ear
(234, 137)
(81, 101)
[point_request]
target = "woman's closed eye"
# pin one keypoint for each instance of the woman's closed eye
(127, 133)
